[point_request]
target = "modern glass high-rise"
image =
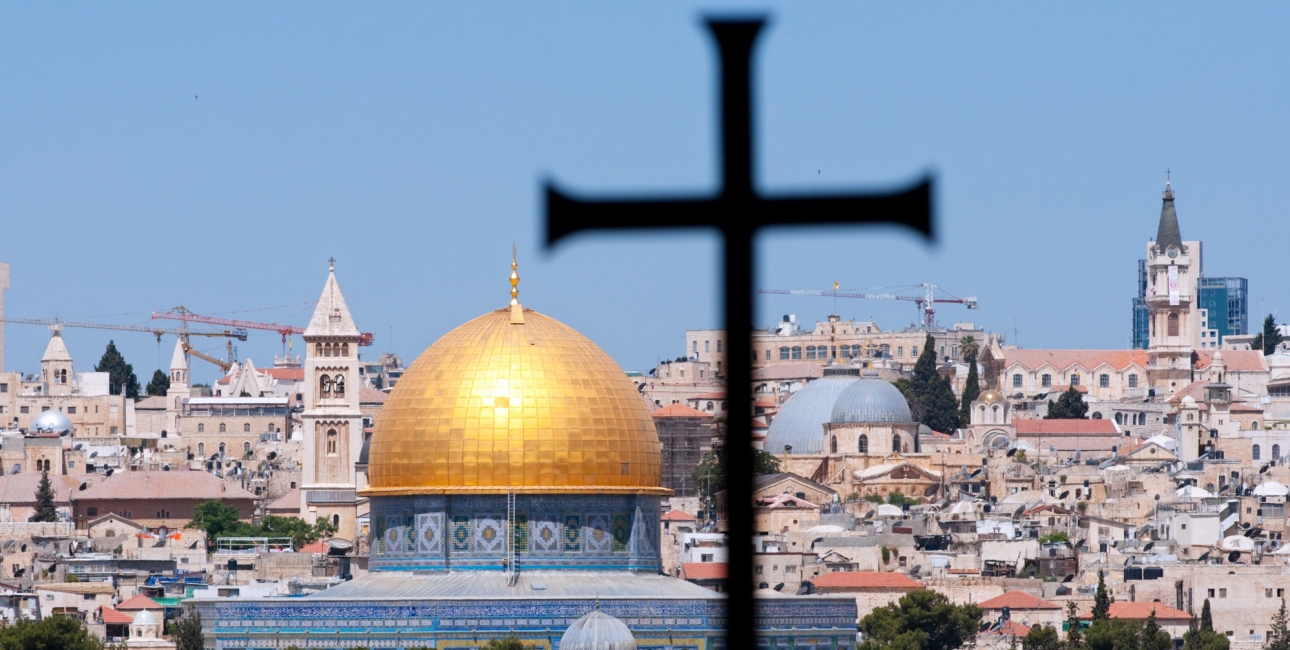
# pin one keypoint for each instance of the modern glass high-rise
(1228, 305)
(1141, 314)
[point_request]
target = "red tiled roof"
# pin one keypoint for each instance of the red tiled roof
(1142, 610)
(371, 396)
(288, 501)
(1234, 360)
(963, 572)
(788, 371)
(1086, 359)
(867, 580)
(113, 617)
(161, 485)
(1244, 408)
(679, 411)
(677, 515)
(763, 405)
(20, 489)
(315, 547)
(1036, 427)
(1018, 600)
(284, 374)
(704, 570)
(1196, 390)
(138, 602)
(151, 403)
(1010, 628)
(717, 395)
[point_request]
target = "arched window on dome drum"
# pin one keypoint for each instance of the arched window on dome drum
(864, 444)
(1254, 452)
(1173, 324)
(895, 443)
(324, 386)
(344, 349)
(833, 445)
(331, 442)
(340, 385)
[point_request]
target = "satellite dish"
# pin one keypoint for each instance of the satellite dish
(1148, 546)
(1264, 469)
(932, 490)
(1245, 525)
(1233, 556)
(779, 587)
(1012, 452)
(109, 472)
(917, 568)
(1069, 578)
(1065, 494)
(1203, 556)
(869, 515)
(1018, 511)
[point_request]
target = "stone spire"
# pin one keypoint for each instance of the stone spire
(331, 317)
(179, 360)
(57, 349)
(1168, 234)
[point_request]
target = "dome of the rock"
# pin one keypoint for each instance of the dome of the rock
(498, 406)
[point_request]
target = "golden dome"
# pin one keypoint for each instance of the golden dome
(990, 396)
(514, 402)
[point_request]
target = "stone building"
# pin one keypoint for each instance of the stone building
(156, 499)
(84, 398)
(685, 435)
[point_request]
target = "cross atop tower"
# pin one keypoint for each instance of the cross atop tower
(331, 264)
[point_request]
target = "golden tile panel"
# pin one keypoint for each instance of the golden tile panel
(494, 407)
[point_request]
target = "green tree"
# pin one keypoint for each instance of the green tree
(898, 499)
(120, 373)
(1197, 639)
(1206, 619)
(940, 407)
(969, 348)
(1074, 627)
(906, 388)
(218, 520)
(1269, 338)
(971, 389)
(1279, 635)
(160, 384)
(187, 632)
(61, 632)
(505, 643)
(1041, 637)
(300, 532)
(1102, 600)
(45, 510)
(1069, 406)
(921, 620)
(710, 474)
(1152, 637)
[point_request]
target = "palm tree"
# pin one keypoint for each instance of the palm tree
(968, 347)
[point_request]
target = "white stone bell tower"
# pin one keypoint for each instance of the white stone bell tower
(332, 421)
(1173, 274)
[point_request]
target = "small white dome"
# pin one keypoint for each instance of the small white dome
(145, 617)
(887, 510)
(1271, 489)
(598, 631)
(1193, 492)
(52, 421)
(1188, 400)
(1238, 543)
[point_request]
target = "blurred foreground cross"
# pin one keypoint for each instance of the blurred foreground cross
(738, 212)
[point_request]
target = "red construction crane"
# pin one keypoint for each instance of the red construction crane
(182, 313)
(923, 302)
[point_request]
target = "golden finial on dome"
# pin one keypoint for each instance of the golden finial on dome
(517, 312)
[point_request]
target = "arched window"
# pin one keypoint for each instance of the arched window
(327, 350)
(1104, 381)
(1173, 324)
(221, 449)
(783, 354)
(246, 428)
(201, 449)
(340, 385)
(864, 444)
(335, 520)
(222, 428)
(1097, 415)
(895, 443)
(1119, 418)
(318, 349)
(709, 406)
(810, 352)
(1254, 452)
(344, 351)
(1254, 424)
(324, 386)
(1046, 380)
(331, 442)
(246, 447)
(201, 428)
(1276, 452)
(797, 353)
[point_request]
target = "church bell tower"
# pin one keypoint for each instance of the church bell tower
(332, 421)
(1173, 272)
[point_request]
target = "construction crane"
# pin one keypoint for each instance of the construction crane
(183, 334)
(182, 313)
(924, 302)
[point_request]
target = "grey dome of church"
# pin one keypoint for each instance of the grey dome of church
(597, 631)
(52, 422)
(800, 423)
(871, 400)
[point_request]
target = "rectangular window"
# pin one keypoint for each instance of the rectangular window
(71, 410)
(93, 512)
(810, 352)
(768, 355)
(797, 353)
(1281, 593)
(1074, 378)
(833, 351)
(718, 346)
(44, 408)
(24, 409)
(783, 354)
(4, 388)
(754, 356)
(1046, 381)
(1133, 381)
(1222, 593)
(1267, 593)
(900, 352)
(705, 347)
(1104, 381)
(113, 431)
(1016, 381)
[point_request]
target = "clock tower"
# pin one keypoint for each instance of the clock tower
(1173, 270)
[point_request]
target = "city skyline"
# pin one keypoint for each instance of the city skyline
(153, 155)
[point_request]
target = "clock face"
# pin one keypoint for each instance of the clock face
(1172, 252)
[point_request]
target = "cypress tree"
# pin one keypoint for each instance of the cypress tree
(1102, 600)
(971, 389)
(160, 384)
(1074, 632)
(1206, 619)
(45, 510)
(1279, 635)
(940, 407)
(120, 374)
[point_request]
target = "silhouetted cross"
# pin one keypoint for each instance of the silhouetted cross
(738, 212)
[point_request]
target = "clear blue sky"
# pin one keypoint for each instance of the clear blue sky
(215, 155)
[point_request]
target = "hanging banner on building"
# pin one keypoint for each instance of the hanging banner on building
(1173, 285)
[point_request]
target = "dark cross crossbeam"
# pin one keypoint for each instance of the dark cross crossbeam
(738, 211)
